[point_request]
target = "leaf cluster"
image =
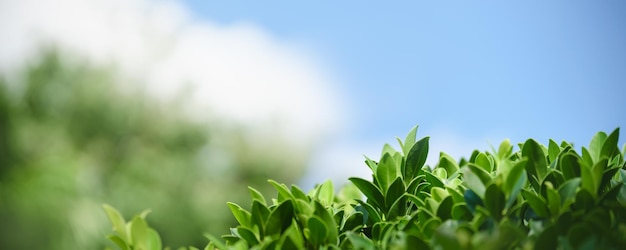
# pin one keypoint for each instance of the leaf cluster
(537, 197)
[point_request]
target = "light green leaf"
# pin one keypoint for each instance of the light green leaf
(139, 233)
(505, 149)
(326, 193)
(410, 139)
(609, 146)
(595, 146)
(483, 161)
(119, 242)
(386, 172)
(119, 224)
(256, 195)
(242, 216)
(448, 163)
(553, 150)
(473, 182)
(154, 240)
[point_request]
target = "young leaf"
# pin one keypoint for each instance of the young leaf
(416, 158)
(553, 150)
(119, 242)
(482, 160)
(595, 146)
(569, 165)
(256, 195)
(386, 172)
(154, 240)
(326, 193)
(139, 233)
(119, 225)
(242, 216)
(447, 162)
(410, 140)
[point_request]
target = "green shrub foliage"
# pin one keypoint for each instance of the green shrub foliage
(537, 197)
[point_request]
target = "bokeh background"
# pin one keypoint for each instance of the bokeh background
(178, 106)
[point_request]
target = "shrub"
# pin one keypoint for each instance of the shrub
(541, 197)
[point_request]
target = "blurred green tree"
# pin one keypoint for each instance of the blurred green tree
(71, 139)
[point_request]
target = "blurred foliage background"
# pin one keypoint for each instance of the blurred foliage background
(71, 138)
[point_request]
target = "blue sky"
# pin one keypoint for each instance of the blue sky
(481, 72)
(527, 69)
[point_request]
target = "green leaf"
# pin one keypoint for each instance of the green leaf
(483, 175)
(515, 181)
(372, 213)
(139, 233)
(447, 162)
(595, 146)
(283, 191)
(260, 214)
(473, 182)
(360, 242)
(553, 150)
(248, 236)
(537, 165)
(553, 199)
(119, 242)
(154, 240)
(567, 191)
(242, 216)
(386, 172)
(569, 164)
(373, 194)
(483, 161)
(416, 158)
(609, 146)
(537, 203)
(119, 224)
(505, 149)
(460, 211)
(395, 191)
(317, 231)
(256, 195)
(326, 193)
(444, 211)
(331, 225)
(494, 201)
(215, 241)
(410, 140)
(280, 218)
(298, 193)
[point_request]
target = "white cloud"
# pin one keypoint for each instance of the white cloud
(238, 72)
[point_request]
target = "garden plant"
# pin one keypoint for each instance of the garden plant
(531, 196)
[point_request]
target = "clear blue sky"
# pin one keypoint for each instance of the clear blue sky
(516, 69)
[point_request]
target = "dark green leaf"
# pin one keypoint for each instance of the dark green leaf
(260, 214)
(537, 165)
(569, 164)
(537, 203)
(317, 231)
(494, 201)
(331, 226)
(373, 194)
(416, 158)
(280, 218)
(444, 211)
(372, 213)
(248, 236)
